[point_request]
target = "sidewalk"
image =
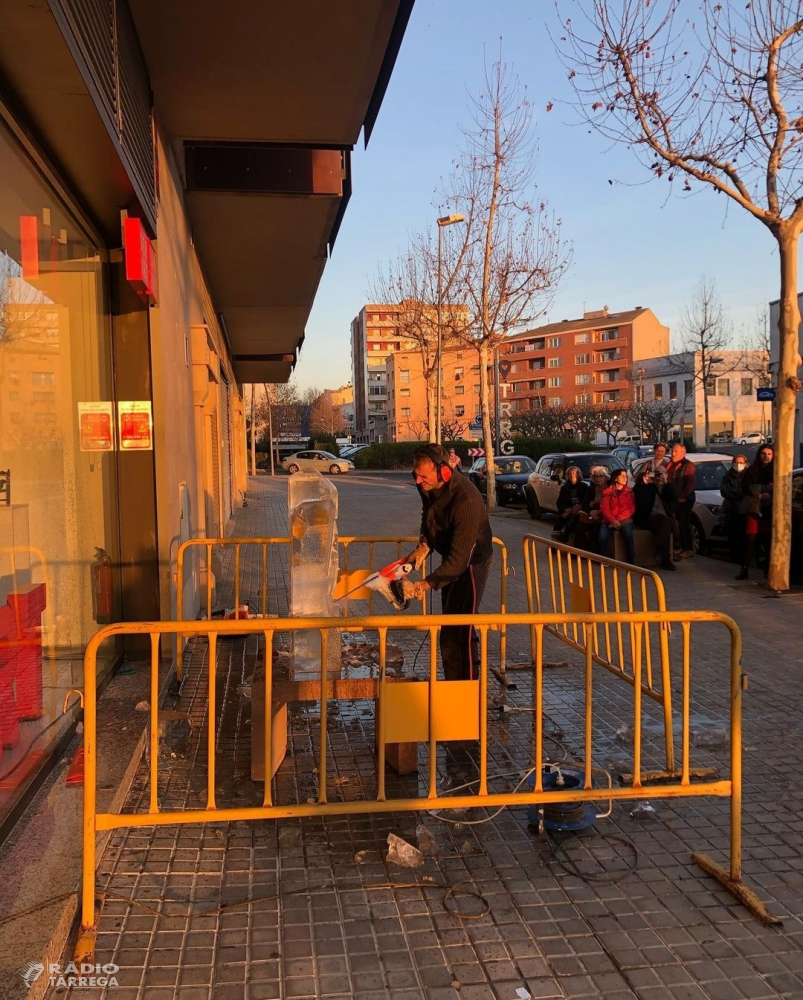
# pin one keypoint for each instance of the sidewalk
(303, 909)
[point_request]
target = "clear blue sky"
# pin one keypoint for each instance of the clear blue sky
(634, 243)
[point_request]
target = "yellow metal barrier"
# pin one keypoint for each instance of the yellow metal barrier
(388, 548)
(577, 582)
(424, 710)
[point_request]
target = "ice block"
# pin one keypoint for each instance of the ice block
(312, 514)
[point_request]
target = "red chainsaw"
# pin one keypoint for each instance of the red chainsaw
(388, 582)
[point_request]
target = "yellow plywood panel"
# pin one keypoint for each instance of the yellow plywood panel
(580, 598)
(456, 710)
(348, 581)
(405, 705)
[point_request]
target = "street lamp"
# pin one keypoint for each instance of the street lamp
(446, 220)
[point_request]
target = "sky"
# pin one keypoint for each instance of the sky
(635, 242)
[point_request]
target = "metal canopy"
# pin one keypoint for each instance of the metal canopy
(248, 86)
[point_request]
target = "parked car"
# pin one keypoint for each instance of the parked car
(512, 472)
(350, 450)
(317, 461)
(629, 453)
(722, 437)
(752, 437)
(706, 528)
(545, 481)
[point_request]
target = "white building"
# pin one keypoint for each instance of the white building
(775, 352)
(733, 408)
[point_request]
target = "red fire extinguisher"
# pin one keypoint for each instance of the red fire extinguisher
(102, 596)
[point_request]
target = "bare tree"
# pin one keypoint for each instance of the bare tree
(716, 103)
(411, 282)
(656, 418)
(705, 335)
(326, 416)
(513, 254)
(453, 430)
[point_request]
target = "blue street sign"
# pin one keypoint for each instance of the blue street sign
(766, 395)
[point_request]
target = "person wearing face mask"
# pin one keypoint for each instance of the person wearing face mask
(756, 506)
(730, 518)
(617, 509)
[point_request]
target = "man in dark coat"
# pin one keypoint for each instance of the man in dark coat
(454, 523)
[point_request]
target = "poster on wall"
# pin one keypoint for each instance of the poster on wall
(136, 425)
(96, 426)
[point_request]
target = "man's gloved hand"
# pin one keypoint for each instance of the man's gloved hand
(419, 555)
(414, 591)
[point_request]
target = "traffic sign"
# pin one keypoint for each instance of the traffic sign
(766, 395)
(476, 452)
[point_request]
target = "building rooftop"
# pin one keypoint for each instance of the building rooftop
(590, 321)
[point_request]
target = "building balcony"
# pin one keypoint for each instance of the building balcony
(599, 362)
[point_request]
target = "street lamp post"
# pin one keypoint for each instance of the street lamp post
(446, 220)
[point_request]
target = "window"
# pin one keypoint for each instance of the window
(658, 391)
(608, 355)
(517, 387)
(476, 390)
(460, 411)
(710, 387)
(404, 392)
(537, 364)
(538, 383)
(688, 387)
(582, 338)
(554, 341)
(404, 375)
(375, 362)
(747, 387)
(44, 397)
(43, 378)
(405, 411)
(459, 389)
(458, 374)
(376, 347)
(582, 359)
(555, 362)
(673, 390)
(612, 334)
(556, 401)
(583, 398)
(537, 345)
(582, 379)
(724, 387)
(459, 355)
(610, 397)
(555, 381)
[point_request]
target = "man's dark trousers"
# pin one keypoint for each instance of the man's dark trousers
(683, 516)
(460, 645)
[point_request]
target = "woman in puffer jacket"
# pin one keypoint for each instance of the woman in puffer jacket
(617, 508)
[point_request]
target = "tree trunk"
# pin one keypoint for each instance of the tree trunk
(705, 411)
(487, 439)
(788, 331)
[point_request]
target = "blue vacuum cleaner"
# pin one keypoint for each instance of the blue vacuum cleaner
(557, 815)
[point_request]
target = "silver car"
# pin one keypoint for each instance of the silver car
(706, 528)
(544, 484)
(316, 461)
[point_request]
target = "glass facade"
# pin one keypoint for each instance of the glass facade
(57, 463)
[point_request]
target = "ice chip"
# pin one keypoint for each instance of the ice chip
(403, 854)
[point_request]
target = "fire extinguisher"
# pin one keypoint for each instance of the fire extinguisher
(102, 596)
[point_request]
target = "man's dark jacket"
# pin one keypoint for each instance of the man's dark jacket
(454, 523)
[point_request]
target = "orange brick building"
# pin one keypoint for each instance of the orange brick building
(407, 394)
(584, 361)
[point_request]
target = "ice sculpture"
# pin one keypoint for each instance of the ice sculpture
(312, 513)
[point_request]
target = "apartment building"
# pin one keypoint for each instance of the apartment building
(407, 418)
(375, 337)
(733, 409)
(379, 331)
(584, 361)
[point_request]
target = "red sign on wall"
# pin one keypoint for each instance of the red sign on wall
(29, 246)
(136, 425)
(96, 427)
(140, 259)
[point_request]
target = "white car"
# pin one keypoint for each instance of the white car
(706, 528)
(752, 437)
(316, 461)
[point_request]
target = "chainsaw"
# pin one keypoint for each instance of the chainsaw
(388, 582)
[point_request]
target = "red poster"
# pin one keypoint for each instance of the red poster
(95, 426)
(136, 426)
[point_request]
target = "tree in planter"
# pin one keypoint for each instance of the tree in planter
(713, 102)
(509, 256)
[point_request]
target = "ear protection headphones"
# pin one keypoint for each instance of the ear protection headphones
(436, 454)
